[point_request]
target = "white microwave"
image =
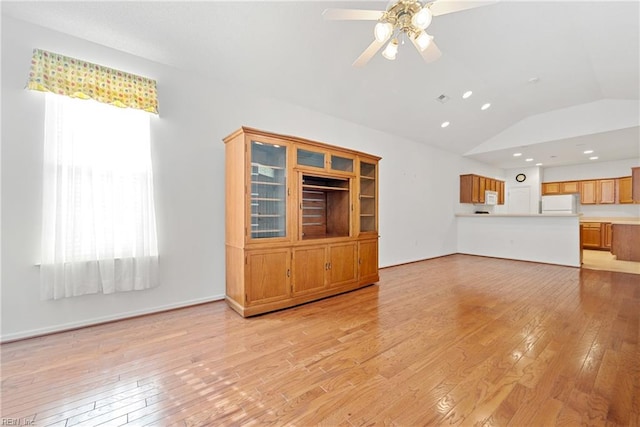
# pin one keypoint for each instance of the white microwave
(490, 197)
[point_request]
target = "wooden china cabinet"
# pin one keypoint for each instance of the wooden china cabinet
(301, 220)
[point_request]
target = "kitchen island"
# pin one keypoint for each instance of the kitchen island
(625, 242)
(546, 238)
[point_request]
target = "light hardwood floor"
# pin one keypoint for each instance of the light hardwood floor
(455, 340)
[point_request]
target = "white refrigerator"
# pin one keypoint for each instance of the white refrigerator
(561, 204)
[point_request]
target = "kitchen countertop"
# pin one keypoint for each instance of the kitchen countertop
(613, 220)
(519, 215)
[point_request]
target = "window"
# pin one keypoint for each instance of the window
(99, 230)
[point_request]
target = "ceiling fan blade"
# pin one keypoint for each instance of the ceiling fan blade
(352, 14)
(368, 53)
(442, 7)
(431, 53)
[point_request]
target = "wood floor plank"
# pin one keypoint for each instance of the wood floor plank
(458, 340)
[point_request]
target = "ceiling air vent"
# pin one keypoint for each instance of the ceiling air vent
(443, 99)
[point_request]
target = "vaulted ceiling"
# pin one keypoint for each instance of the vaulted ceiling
(561, 77)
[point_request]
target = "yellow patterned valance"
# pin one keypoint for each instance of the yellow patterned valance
(51, 72)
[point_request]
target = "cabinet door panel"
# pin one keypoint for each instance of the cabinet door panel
(342, 163)
(607, 191)
(267, 201)
(625, 192)
(606, 235)
(569, 187)
(368, 189)
(343, 265)
(588, 192)
(305, 157)
(591, 235)
(267, 275)
(368, 260)
(550, 188)
(635, 186)
(309, 268)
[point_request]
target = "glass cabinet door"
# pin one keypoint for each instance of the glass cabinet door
(342, 164)
(268, 190)
(368, 202)
(314, 159)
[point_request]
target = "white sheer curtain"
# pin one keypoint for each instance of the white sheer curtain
(99, 229)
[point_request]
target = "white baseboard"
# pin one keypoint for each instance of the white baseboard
(98, 320)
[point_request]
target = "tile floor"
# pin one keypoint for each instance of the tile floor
(603, 260)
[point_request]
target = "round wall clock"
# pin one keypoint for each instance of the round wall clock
(521, 177)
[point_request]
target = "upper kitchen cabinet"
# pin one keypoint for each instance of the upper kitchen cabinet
(598, 191)
(625, 189)
(473, 187)
(606, 189)
(563, 187)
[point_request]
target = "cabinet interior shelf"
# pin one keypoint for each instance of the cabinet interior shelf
(266, 199)
(267, 183)
(367, 177)
(365, 196)
(322, 187)
(364, 214)
(261, 165)
(266, 216)
(275, 230)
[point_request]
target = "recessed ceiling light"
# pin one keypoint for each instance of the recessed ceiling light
(528, 160)
(485, 106)
(593, 158)
(538, 164)
(517, 154)
(445, 124)
(467, 94)
(588, 151)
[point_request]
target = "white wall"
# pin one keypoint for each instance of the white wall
(597, 170)
(418, 184)
(532, 183)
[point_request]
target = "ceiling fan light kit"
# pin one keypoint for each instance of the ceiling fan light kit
(403, 18)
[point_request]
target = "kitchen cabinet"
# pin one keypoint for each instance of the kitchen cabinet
(561, 187)
(591, 235)
(473, 187)
(635, 176)
(594, 191)
(301, 220)
(588, 192)
(624, 186)
(596, 235)
(570, 187)
(550, 188)
(606, 191)
(606, 230)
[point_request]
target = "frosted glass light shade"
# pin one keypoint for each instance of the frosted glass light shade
(382, 31)
(423, 41)
(391, 50)
(422, 19)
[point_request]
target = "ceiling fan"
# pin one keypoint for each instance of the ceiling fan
(403, 19)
